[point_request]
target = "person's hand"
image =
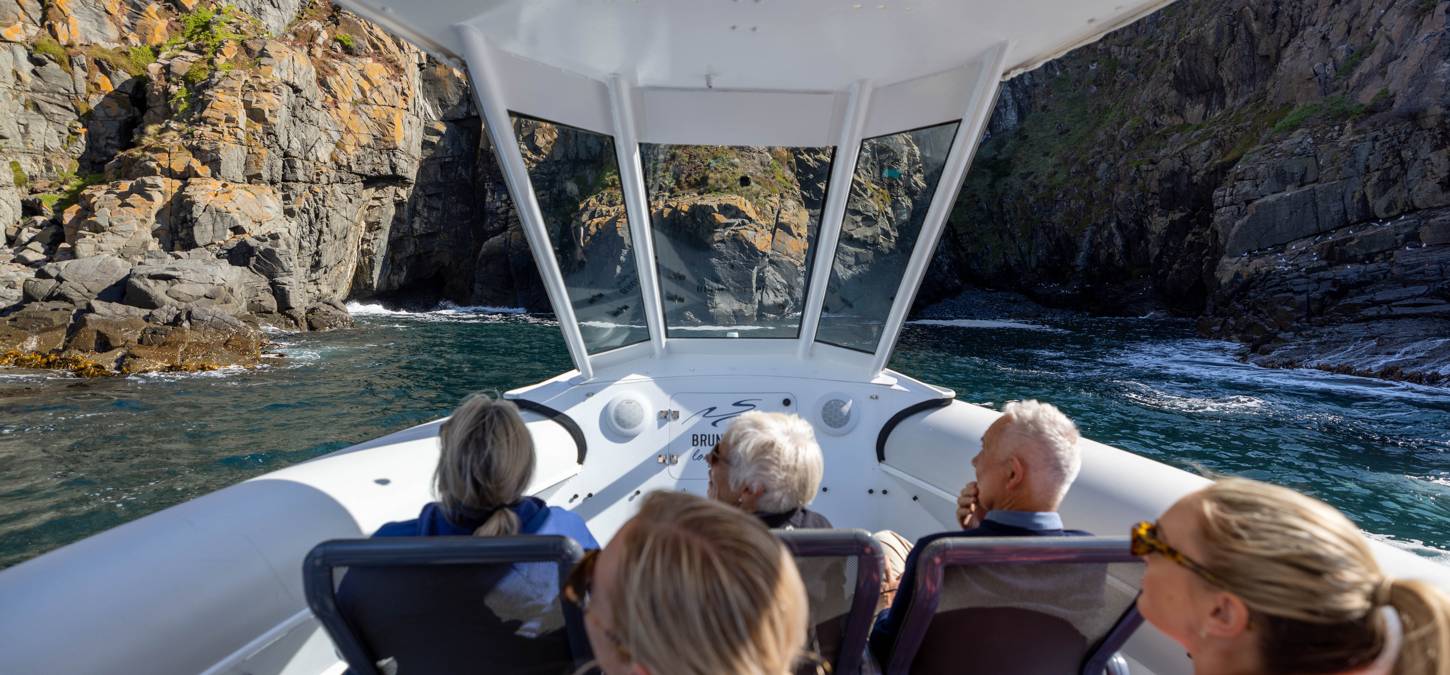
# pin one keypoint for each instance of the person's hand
(969, 510)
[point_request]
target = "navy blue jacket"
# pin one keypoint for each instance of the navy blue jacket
(797, 519)
(888, 623)
(535, 517)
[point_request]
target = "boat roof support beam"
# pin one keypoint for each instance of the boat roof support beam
(974, 121)
(499, 126)
(636, 203)
(838, 193)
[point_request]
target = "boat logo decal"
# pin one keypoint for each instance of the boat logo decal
(715, 416)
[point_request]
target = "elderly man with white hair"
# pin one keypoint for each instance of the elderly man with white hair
(1029, 459)
(769, 464)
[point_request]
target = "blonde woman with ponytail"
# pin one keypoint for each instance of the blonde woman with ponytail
(691, 586)
(485, 463)
(1255, 578)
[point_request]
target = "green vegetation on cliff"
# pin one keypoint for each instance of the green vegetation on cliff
(47, 46)
(69, 193)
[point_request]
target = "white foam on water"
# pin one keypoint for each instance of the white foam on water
(22, 376)
(1414, 546)
(988, 324)
(223, 372)
(448, 308)
(607, 324)
(1217, 362)
(1152, 397)
(444, 309)
(708, 327)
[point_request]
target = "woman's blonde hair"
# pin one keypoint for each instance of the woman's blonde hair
(486, 463)
(1312, 583)
(705, 589)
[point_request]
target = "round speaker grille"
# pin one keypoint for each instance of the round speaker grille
(628, 414)
(836, 413)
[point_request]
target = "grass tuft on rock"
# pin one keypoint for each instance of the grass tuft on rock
(208, 28)
(1335, 108)
(70, 191)
(348, 42)
(131, 61)
(197, 73)
(21, 180)
(180, 99)
(48, 47)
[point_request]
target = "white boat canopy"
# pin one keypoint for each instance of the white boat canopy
(881, 102)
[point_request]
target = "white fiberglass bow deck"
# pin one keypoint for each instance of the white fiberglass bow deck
(732, 204)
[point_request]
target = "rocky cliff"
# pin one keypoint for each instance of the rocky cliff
(181, 175)
(1279, 169)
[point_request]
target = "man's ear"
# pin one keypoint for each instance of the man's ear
(1229, 616)
(1016, 472)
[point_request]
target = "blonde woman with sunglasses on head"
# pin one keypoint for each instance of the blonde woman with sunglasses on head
(1256, 578)
(691, 586)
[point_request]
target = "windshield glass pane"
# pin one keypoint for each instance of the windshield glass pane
(734, 228)
(575, 177)
(894, 181)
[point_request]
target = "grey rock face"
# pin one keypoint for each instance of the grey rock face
(273, 14)
(80, 281)
(1278, 169)
(207, 211)
(213, 284)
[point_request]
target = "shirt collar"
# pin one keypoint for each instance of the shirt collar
(777, 520)
(1027, 520)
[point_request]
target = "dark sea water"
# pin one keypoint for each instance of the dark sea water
(80, 456)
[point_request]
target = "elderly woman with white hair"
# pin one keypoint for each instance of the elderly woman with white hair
(769, 464)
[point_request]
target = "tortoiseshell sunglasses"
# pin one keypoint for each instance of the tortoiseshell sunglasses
(578, 587)
(1145, 541)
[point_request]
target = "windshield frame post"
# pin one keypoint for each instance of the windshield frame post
(838, 194)
(636, 202)
(977, 111)
(496, 121)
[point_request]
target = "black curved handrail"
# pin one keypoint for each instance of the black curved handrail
(561, 419)
(899, 417)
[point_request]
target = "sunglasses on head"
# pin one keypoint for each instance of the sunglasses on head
(578, 588)
(1145, 541)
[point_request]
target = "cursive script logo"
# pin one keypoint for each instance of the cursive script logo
(715, 416)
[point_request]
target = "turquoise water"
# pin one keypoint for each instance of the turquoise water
(80, 456)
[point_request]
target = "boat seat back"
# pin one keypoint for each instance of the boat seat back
(842, 571)
(1019, 604)
(423, 605)
(999, 640)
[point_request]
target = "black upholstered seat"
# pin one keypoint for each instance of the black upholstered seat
(423, 605)
(842, 570)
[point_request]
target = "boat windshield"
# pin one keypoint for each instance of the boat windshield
(734, 231)
(575, 177)
(895, 179)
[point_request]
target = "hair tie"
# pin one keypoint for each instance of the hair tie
(1383, 591)
(1384, 662)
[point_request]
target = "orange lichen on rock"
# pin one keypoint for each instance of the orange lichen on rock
(151, 28)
